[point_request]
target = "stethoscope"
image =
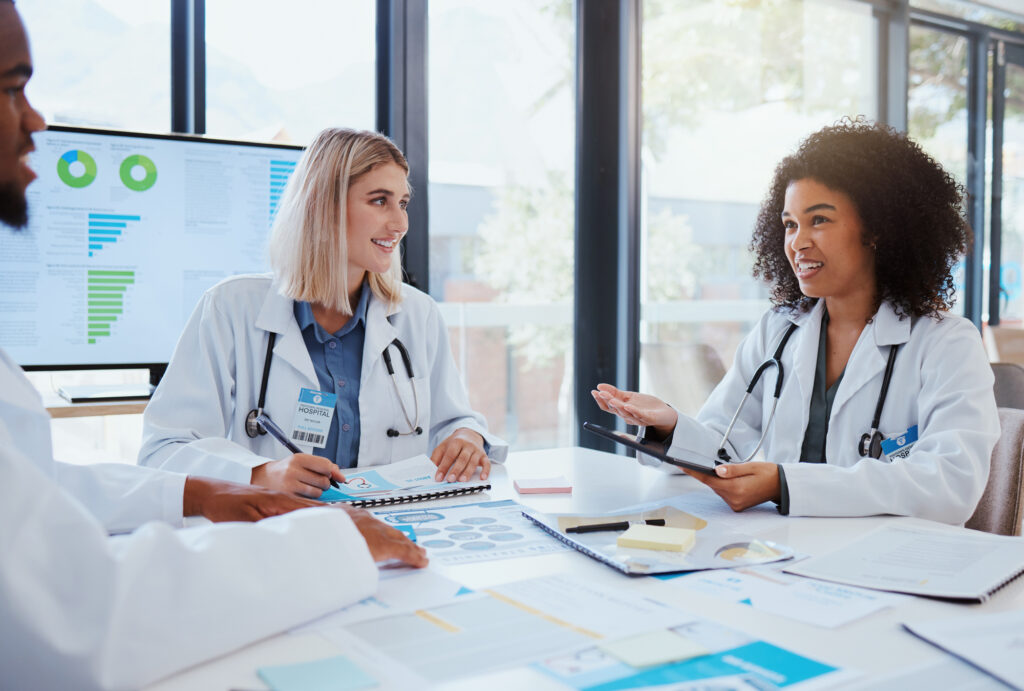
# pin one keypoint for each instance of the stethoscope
(413, 422)
(253, 426)
(870, 443)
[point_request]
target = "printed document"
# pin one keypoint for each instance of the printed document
(991, 642)
(943, 562)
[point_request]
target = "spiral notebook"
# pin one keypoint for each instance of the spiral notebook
(930, 560)
(713, 548)
(397, 483)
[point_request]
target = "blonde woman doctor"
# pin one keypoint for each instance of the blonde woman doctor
(354, 366)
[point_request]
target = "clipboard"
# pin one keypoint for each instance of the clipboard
(692, 461)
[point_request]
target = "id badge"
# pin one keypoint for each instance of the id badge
(313, 416)
(899, 446)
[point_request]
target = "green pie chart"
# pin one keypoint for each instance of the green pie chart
(129, 164)
(68, 177)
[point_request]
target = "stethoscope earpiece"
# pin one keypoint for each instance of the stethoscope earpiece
(395, 433)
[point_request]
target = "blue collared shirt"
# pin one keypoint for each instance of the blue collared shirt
(338, 361)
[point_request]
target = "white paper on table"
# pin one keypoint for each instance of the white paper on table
(992, 642)
(768, 589)
(399, 590)
(944, 673)
(507, 626)
(946, 562)
(471, 533)
(608, 613)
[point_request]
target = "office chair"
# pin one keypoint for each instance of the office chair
(1000, 508)
(1009, 386)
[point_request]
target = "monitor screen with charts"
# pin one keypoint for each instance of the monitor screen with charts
(126, 231)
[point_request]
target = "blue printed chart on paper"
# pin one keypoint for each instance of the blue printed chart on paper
(411, 477)
(468, 533)
(734, 661)
(580, 635)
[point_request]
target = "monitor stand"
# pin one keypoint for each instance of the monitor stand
(98, 393)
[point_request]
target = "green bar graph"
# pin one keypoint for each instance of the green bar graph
(105, 291)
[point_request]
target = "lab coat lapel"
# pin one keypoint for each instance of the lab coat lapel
(798, 361)
(379, 334)
(870, 355)
(277, 315)
(805, 352)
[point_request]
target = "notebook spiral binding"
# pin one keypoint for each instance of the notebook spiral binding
(408, 498)
(578, 546)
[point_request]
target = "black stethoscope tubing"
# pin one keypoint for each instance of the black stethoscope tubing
(252, 424)
(414, 423)
(253, 428)
(870, 443)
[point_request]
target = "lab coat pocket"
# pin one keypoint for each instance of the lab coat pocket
(411, 410)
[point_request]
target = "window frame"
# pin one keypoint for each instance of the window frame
(606, 332)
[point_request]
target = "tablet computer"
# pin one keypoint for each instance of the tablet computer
(692, 461)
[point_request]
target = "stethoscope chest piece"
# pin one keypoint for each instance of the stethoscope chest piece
(870, 444)
(252, 427)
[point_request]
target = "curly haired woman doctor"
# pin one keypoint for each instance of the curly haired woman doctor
(886, 405)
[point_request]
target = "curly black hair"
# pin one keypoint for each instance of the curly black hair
(912, 210)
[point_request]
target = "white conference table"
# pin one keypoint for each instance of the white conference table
(877, 646)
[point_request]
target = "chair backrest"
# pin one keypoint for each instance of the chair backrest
(682, 374)
(1009, 386)
(1000, 508)
(1004, 343)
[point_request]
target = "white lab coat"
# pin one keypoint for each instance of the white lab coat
(942, 383)
(196, 420)
(81, 610)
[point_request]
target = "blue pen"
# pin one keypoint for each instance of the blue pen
(275, 431)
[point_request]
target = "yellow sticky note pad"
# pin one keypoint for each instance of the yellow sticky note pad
(640, 536)
(654, 648)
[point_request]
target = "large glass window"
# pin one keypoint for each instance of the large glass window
(999, 13)
(937, 106)
(937, 96)
(103, 63)
(729, 88)
(284, 71)
(501, 207)
(1012, 207)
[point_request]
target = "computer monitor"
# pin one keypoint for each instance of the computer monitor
(126, 230)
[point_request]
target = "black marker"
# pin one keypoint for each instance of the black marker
(620, 525)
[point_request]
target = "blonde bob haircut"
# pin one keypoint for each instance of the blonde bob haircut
(308, 243)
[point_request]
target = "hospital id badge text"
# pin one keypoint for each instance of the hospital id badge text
(313, 415)
(899, 446)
